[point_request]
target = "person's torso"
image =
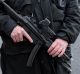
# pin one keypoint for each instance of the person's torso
(24, 7)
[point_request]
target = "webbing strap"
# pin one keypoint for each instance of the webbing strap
(32, 57)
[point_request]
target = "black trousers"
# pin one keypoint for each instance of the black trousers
(16, 64)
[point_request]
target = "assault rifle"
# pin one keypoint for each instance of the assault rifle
(41, 35)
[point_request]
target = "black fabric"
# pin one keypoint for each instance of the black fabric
(55, 11)
(16, 64)
(7, 24)
(43, 64)
(66, 20)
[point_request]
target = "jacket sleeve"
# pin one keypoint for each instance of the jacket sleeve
(71, 22)
(6, 22)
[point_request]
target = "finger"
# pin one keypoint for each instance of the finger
(58, 52)
(54, 44)
(13, 37)
(17, 38)
(55, 49)
(61, 54)
(27, 36)
(20, 36)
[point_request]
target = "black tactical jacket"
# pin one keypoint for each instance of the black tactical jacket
(66, 22)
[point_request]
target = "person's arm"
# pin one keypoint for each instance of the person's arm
(69, 32)
(11, 28)
(71, 23)
(6, 22)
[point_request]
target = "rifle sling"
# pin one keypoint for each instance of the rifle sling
(33, 53)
